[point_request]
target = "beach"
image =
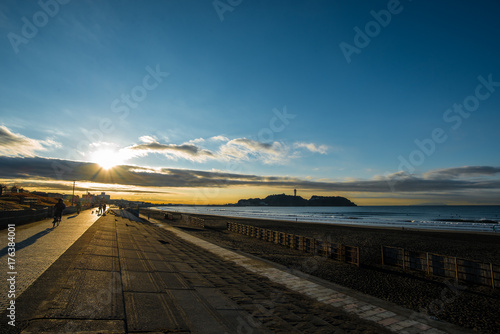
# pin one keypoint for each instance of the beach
(467, 305)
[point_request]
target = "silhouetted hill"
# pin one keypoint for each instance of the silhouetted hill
(289, 200)
(329, 201)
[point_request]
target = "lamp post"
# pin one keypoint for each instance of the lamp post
(73, 197)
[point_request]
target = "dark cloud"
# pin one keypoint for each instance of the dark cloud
(36, 168)
(185, 150)
(255, 145)
(466, 171)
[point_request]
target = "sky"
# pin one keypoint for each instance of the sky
(207, 102)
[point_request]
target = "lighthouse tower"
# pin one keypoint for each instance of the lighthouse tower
(295, 192)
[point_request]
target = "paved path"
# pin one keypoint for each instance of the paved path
(38, 245)
(125, 276)
(392, 317)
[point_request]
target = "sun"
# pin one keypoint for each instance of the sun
(107, 158)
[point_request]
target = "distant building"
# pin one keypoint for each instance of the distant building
(88, 199)
(104, 197)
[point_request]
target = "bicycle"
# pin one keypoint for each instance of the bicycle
(57, 220)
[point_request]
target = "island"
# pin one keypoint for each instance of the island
(293, 200)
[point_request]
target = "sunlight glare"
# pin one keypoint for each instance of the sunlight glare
(107, 158)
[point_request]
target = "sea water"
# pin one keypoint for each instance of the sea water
(459, 218)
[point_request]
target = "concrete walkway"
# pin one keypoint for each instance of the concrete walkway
(126, 276)
(38, 245)
(392, 317)
(123, 276)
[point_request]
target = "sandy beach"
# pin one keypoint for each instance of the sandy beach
(467, 305)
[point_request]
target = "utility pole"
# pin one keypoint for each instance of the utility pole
(73, 197)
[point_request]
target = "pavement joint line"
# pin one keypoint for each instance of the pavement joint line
(35, 256)
(350, 304)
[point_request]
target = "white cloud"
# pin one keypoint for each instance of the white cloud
(147, 139)
(219, 138)
(197, 140)
(222, 148)
(321, 149)
(17, 145)
(246, 149)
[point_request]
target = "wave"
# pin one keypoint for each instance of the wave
(449, 218)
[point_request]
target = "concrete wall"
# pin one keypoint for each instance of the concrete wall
(20, 217)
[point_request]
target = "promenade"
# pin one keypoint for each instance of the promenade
(120, 275)
(38, 246)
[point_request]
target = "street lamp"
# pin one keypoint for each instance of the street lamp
(73, 197)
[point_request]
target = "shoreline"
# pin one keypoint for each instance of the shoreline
(466, 222)
(339, 224)
(471, 245)
(352, 225)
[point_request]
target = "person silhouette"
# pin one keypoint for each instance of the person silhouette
(58, 210)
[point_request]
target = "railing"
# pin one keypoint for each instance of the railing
(193, 220)
(343, 253)
(443, 265)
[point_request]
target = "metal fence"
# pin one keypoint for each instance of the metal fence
(193, 220)
(443, 266)
(343, 253)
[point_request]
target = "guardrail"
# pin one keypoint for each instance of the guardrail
(343, 253)
(443, 265)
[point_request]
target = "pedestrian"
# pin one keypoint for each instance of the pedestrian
(58, 210)
(104, 209)
(100, 209)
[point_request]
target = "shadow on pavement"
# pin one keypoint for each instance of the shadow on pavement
(25, 243)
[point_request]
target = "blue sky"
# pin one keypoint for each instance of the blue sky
(256, 88)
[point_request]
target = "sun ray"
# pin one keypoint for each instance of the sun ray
(107, 158)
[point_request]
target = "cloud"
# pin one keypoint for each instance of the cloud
(321, 149)
(219, 138)
(17, 145)
(222, 148)
(147, 139)
(43, 169)
(185, 151)
(246, 149)
(197, 140)
(460, 172)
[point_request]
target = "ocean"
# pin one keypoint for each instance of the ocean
(458, 218)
